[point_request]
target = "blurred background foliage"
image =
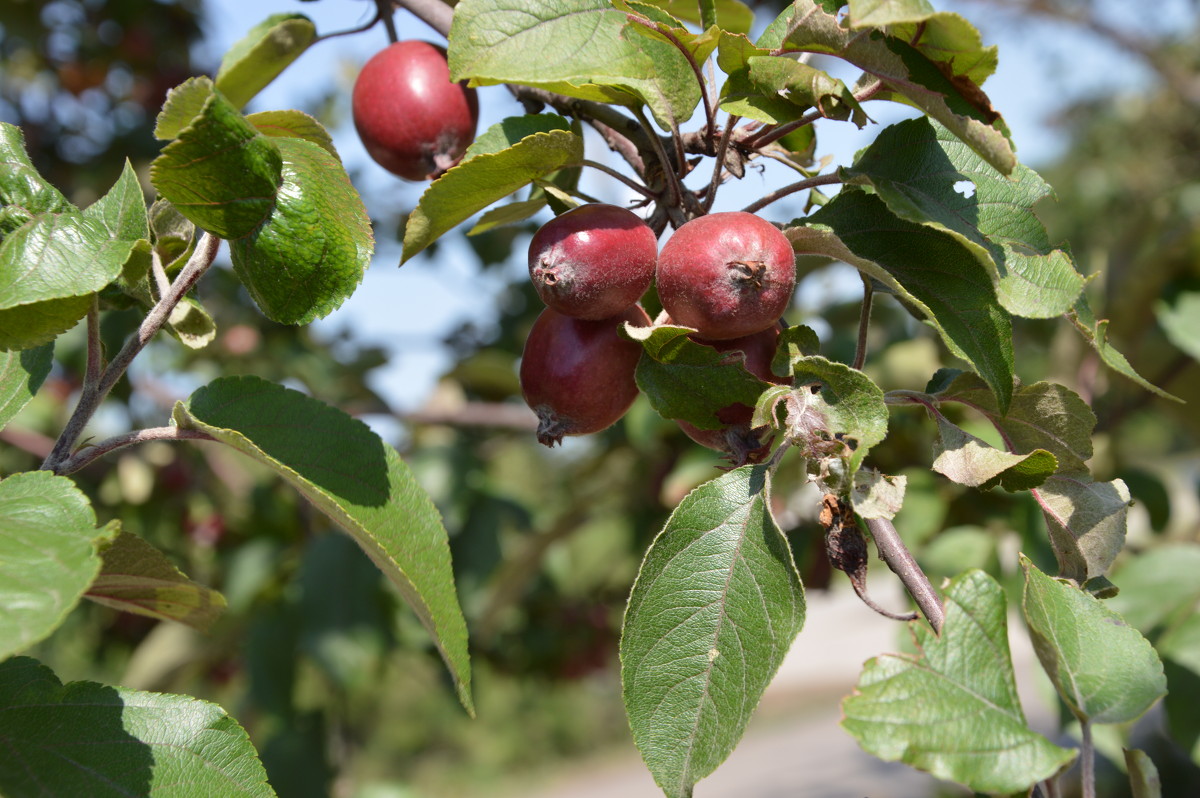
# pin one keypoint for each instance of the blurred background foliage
(335, 681)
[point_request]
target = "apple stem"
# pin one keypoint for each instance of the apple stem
(386, 11)
(864, 324)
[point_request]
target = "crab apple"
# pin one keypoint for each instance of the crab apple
(577, 374)
(593, 261)
(736, 438)
(727, 275)
(411, 118)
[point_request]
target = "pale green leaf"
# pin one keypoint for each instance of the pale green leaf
(172, 233)
(57, 256)
(967, 460)
(930, 269)
(312, 250)
(1143, 775)
(192, 324)
(48, 557)
(356, 479)
(732, 15)
(29, 326)
(928, 176)
(690, 381)
(943, 38)
(219, 172)
(88, 739)
(1180, 320)
(511, 130)
(582, 50)
(136, 577)
(21, 375)
(509, 213)
(475, 184)
(1095, 332)
(1103, 668)
(877, 495)
(258, 57)
(20, 183)
(293, 124)
(714, 609)
(1159, 588)
(953, 710)
(1086, 521)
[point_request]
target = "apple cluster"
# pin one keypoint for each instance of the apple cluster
(729, 276)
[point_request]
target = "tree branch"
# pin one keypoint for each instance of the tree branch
(897, 556)
(811, 182)
(88, 454)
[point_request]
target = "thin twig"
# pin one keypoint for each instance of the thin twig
(433, 13)
(386, 11)
(864, 324)
(719, 166)
(608, 170)
(897, 556)
(811, 182)
(95, 348)
(1087, 761)
(88, 454)
(360, 29)
(691, 59)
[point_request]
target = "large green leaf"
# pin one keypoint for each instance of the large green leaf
(20, 183)
(689, 381)
(48, 557)
(476, 183)
(258, 57)
(967, 460)
(714, 609)
(1102, 667)
(582, 50)
(21, 375)
(928, 176)
(942, 37)
(953, 709)
(778, 89)
(311, 252)
(49, 268)
(356, 479)
(136, 577)
(84, 738)
(930, 269)
(940, 75)
(219, 171)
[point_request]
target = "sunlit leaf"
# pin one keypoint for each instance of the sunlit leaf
(258, 57)
(293, 124)
(21, 375)
(20, 183)
(713, 611)
(952, 709)
(356, 479)
(968, 460)
(1095, 332)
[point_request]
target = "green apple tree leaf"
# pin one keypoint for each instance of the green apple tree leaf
(968, 460)
(928, 176)
(877, 495)
(1158, 588)
(930, 270)
(1086, 521)
(513, 129)
(583, 50)
(21, 375)
(258, 57)
(477, 182)
(1102, 667)
(219, 171)
(1180, 320)
(49, 269)
(84, 738)
(777, 89)
(835, 410)
(136, 577)
(1143, 775)
(952, 710)
(356, 479)
(715, 607)
(294, 125)
(943, 37)
(48, 555)
(311, 251)
(690, 381)
(122, 211)
(1095, 332)
(21, 185)
(732, 15)
(172, 234)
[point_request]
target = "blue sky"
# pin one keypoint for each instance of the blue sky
(409, 309)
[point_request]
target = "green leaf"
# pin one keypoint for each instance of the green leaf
(1143, 775)
(48, 540)
(172, 233)
(513, 129)
(952, 710)
(715, 607)
(690, 381)
(929, 269)
(657, 24)
(1095, 332)
(967, 460)
(258, 57)
(940, 78)
(21, 375)
(510, 213)
(191, 324)
(795, 344)
(294, 125)
(1180, 320)
(136, 577)
(877, 495)
(20, 183)
(1158, 588)
(946, 39)
(474, 184)
(122, 211)
(311, 252)
(1086, 521)
(49, 268)
(1103, 668)
(922, 171)
(219, 172)
(352, 476)
(835, 403)
(778, 89)
(84, 738)
(732, 15)
(583, 50)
